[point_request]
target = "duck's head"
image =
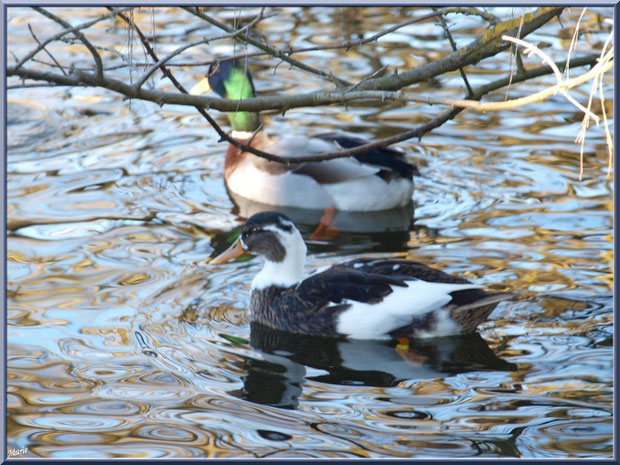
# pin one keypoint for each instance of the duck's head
(231, 80)
(273, 236)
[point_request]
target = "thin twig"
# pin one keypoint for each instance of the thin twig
(561, 83)
(30, 86)
(515, 50)
(80, 36)
(444, 25)
(471, 11)
(581, 137)
(256, 131)
(34, 36)
(181, 49)
(63, 33)
(573, 42)
(272, 51)
(372, 75)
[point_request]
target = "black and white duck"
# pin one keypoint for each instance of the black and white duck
(359, 299)
(381, 179)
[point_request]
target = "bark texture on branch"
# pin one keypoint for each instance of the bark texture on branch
(371, 88)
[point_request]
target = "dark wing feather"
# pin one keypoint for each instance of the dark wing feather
(393, 161)
(405, 269)
(402, 269)
(340, 283)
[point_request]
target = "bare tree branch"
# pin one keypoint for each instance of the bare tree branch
(34, 36)
(488, 45)
(278, 103)
(272, 51)
(344, 45)
(471, 11)
(444, 25)
(562, 86)
(80, 36)
(31, 86)
(63, 33)
(371, 88)
(358, 43)
(181, 49)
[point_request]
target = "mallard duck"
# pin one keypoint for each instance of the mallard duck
(359, 299)
(377, 180)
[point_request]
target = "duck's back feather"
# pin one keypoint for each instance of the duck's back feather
(392, 162)
(325, 172)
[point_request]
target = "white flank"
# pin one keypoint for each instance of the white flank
(287, 189)
(398, 309)
(370, 193)
(289, 271)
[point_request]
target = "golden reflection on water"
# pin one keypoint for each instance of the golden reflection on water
(122, 342)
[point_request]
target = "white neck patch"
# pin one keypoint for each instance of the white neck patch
(289, 271)
(240, 135)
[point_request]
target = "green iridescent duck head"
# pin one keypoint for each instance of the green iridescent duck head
(231, 80)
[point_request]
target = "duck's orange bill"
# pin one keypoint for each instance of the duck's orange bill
(234, 251)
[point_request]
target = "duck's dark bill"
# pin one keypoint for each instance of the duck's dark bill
(234, 251)
(201, 88)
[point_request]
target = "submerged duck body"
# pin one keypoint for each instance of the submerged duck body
(359, 299)
(381, 179)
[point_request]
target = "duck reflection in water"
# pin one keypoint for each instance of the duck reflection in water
(395, 222)
(277, 377)
(348, 232)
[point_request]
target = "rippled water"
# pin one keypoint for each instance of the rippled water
(122, 342)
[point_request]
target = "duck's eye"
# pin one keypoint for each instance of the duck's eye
(250, 231)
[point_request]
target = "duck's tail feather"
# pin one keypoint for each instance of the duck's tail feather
(470, 315)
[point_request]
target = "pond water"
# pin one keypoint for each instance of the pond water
(124, 342)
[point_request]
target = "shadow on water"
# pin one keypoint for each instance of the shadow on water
(386, 231)
(277, 378)
(345, 243)
(26, 124)
(394, 220)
